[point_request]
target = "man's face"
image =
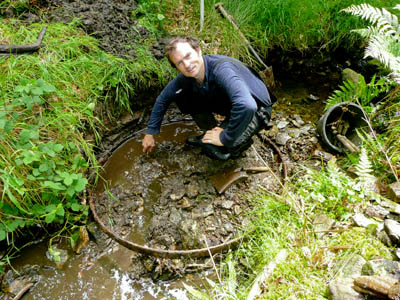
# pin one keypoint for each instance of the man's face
(188, 61)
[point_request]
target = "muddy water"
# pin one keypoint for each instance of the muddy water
(103, 275)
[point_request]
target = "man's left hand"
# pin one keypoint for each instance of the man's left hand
(212, 136)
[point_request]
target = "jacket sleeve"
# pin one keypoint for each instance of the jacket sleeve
(170, 93)
(244, 105)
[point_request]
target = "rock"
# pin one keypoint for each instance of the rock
(227, 204)
(282, 124)
(394, 191)
(325, 156)
(202, 211)
(382, 267)
(391, 206)
(58, 256)
(282, 138)
(392, 228)
(342, 289)
(362, 221)
(192, 189)
(298, 120)
(322, 222)
(351, 268)
(294, 132)
(175, 216)
(376, 211)
(351, 75)
(312, 97)
(384, 238)
(17, 285)
(177, 195)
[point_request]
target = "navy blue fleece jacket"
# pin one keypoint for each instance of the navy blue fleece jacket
(224, 80)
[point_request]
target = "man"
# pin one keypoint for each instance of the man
(210, 84)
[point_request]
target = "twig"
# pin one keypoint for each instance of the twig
(267, 272)
(23, 291)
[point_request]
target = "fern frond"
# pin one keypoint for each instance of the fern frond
(379, 47)
(364, 170)
(385, 22)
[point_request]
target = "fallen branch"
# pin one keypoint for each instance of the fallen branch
(267, 272)
(24, 48)
(23, 291)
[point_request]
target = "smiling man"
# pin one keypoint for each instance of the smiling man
(209, 84)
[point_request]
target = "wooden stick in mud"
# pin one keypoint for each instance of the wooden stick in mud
(347, 143)
(23, 291)
(24, 48)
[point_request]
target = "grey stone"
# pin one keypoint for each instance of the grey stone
(350, 268)
(202, 211)
(384, 238)
(294, 132)
(342, 289)
(362, 221)
(282, 124)
(376, 211)
(299, 120)
(382, 267)
(392, 228)
(175, 216)
(391, 206)
(227, 204)
(394, 191)
(282, 138)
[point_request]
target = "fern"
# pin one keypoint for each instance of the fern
(364, 171)
(360, 93)
(385, 22)
(383, 36)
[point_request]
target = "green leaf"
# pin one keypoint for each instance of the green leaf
(160, 17)
(58, 148)
(80, 184)
(53, 185)
(37, 91)
(50, 218)
(3, 234)
(60, 211)
(76, 207)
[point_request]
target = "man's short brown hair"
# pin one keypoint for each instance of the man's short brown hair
(171, 45)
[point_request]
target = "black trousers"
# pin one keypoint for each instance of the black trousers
(205, 120)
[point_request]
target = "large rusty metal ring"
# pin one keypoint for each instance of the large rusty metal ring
(202, 252)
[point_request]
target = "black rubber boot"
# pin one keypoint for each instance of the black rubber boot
(194, 140)
(215, 152)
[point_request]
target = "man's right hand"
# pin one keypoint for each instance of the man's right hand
(148, 143)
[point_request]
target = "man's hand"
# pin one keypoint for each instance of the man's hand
(148, 143)
(212, 136)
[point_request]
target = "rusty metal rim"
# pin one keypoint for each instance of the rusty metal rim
(160, 252)
(201, 252)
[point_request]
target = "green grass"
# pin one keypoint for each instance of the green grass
(303, 24)
(49, 125)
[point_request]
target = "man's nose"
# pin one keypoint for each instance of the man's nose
(186, 63)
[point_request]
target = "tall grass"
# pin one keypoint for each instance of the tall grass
(297, 24)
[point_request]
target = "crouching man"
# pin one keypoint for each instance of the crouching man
(209, 84)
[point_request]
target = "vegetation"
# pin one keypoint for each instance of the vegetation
(49, 126)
